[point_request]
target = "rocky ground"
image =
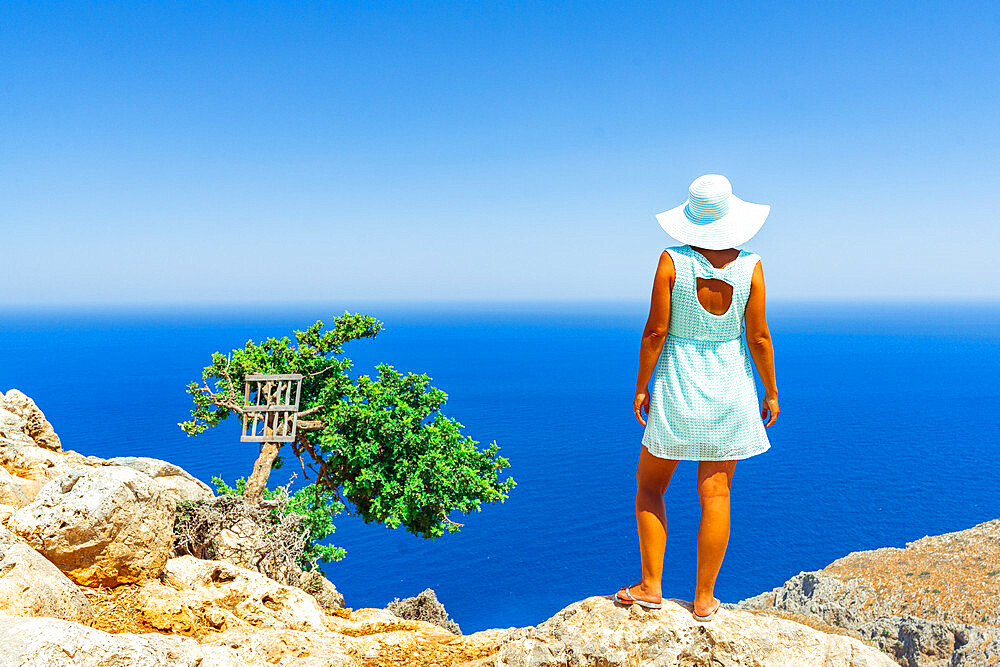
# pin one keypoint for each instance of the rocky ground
(934, 602)
(88, 576)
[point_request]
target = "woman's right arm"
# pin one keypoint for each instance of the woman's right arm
(654, 334)
(759, 343)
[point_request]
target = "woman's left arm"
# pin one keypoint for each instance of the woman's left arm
(759, 344)
(655, 333)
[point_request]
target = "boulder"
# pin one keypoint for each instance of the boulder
(101, 526)
(596, 631)
(205, 597)
(177, 481)
(32, 586)
(36, 426)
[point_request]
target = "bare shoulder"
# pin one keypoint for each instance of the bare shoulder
(666, 262)
(757, 280)
(663, 281)
(665, 271)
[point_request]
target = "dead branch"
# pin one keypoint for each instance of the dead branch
(309, 412)
(310, 426)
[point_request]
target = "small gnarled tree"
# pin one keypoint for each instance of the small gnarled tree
(380, 446)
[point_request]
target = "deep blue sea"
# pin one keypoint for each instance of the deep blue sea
(888, 432)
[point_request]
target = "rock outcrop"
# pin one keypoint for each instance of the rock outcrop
(36, 426)
(80, 523)
(176, 481)
(424, 607)
(598, 632)
(325, 592)
(32, 586)
(102, 526)
(934, 602)
(12, 491)
(33, 465)
(205, 598)
(53, 642)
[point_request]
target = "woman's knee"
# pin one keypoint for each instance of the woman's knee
(652, 475)
(715, 484)
(645, 483)
(711, 490)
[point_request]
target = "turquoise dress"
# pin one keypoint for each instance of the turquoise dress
(703, 401)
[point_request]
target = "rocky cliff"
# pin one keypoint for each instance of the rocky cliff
(88, 577)
(935, 602)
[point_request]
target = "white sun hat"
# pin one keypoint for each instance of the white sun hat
(713, 217)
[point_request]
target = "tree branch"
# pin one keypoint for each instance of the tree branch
(310, 426)
(310, 411)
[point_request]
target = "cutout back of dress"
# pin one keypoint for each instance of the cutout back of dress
(714, 295)
(725, 292)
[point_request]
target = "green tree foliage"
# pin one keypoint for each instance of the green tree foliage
(377, 447)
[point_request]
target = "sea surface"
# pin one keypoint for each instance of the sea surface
(888, 432)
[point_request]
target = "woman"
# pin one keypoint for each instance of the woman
(702, 405)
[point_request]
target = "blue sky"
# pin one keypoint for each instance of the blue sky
(182, 153)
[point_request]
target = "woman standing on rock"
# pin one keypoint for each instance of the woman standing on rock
(702, 405)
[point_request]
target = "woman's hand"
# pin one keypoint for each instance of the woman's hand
(642, 400)
(769, 404)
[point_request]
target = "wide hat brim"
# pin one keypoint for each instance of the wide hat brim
(730, 231)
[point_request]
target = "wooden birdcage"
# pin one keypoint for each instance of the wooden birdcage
(270, 404)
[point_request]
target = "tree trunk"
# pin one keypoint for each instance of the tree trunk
(257, 482)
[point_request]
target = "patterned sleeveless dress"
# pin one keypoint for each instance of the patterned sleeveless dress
(703, 401)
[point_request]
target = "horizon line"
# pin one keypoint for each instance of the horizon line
(453, 303)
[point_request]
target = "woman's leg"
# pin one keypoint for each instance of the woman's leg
(715, 478)
(652, 476)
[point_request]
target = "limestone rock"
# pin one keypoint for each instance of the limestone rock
(918, 642)
(379, 637)
(321, 588)
(12, 426)
(204, 597)
(101, 526)
(925, 603)
(596, 631)
(828, 598)
(32, 586)
(36, 426)
(12, 490)
(424, 607)
(177, 481)
(33, 466)
(265, 648)
(367, 637)
(53, 642)
(7, 511)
